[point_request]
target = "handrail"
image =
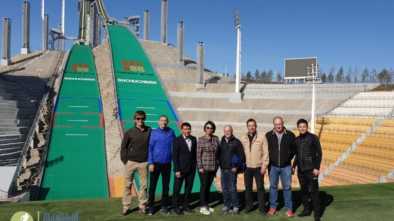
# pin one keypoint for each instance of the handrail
(102, 12)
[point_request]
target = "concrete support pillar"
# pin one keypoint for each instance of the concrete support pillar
(200, 61)
(5, 58)
(180, 39)
(45, 33)
(92, 24)
(96, 39)
(164, 21)
(25, 27)
(146, 25)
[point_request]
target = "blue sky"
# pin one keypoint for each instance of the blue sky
(351, 33)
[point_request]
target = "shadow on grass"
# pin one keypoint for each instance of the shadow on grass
(216, 199)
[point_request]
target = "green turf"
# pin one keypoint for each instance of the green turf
(76, 166)
(350, 203)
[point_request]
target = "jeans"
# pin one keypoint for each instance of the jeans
(284, 173)
(251, 173)
(229, 188)
(165, 171)
(206, 179)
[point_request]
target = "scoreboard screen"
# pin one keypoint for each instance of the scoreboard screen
(299, 68)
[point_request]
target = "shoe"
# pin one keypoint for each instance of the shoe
(263, 213)
(225, 210)
(305, 213)
(125, 211)
(142, 210)
(151, 211)
(164, 211)
(317, 218)
(248, 209)
(290, 213)
(271, 212)
(235, 210)
(178, 211)
(187, 209)
(211, 210)
(205, 211)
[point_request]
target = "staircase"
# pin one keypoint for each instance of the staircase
(113, 129)
(19, 98)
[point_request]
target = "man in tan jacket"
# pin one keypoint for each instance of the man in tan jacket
(256, 153)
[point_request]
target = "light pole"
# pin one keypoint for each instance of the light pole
(238, 52)
(63, 23)
(314, 72)
(44, 40)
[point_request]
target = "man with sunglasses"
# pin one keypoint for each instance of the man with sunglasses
(134, 155)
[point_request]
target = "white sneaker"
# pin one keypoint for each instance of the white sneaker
(211, 210)
(205, 211)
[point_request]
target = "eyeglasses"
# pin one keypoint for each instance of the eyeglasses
(209, 128)
(140, 118)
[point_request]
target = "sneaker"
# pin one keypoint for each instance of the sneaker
(125, 211)
(271, 211)
(290, 213)
(211, 210)
(151, 211)
(235, 210)
(205, 211)
(225, 210)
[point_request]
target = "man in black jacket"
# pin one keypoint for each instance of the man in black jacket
(184, 158)
(134, 155)
(281, 149)
(308, 159)
(231, 158)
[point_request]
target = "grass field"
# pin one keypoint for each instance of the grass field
(350, 203)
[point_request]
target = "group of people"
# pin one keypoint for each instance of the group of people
(278, 153)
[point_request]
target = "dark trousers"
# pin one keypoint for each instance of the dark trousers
(229, 188)
(310, 191)
(251, 173)
(188, 178)
(165, 171)
(206, 179)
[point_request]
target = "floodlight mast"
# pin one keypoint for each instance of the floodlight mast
(314, 74)
(237, 23)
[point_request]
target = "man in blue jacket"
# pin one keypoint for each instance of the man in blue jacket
(159, 161)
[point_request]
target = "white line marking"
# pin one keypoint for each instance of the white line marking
(74, 135)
